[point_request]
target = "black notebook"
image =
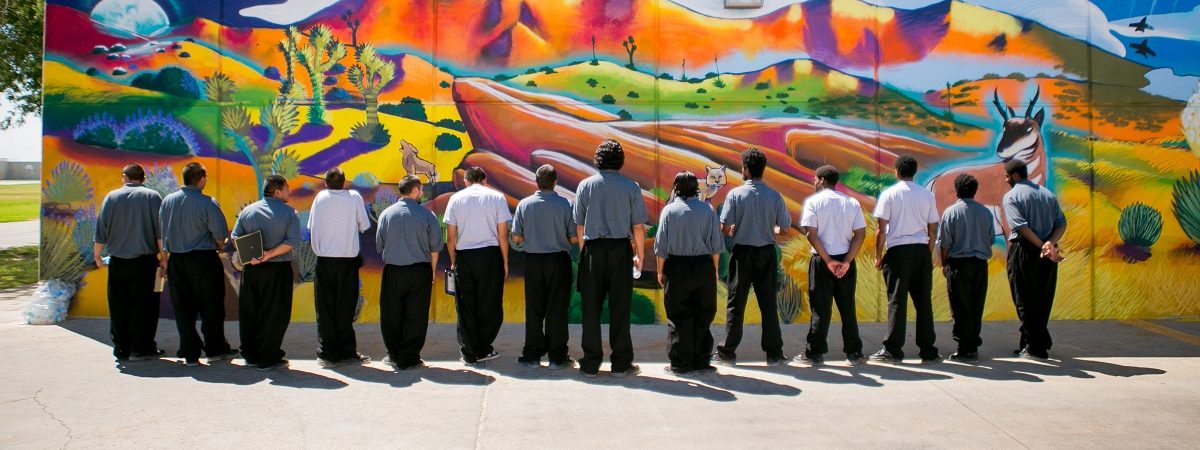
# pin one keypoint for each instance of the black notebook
(249, 247)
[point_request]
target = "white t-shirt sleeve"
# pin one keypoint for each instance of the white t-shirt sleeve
(883, 206)
(858, 222)
(931, 215)
(808, 216)
(448, 216)
(502, 212)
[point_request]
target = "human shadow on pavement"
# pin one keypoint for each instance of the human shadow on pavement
(1035, 370)
(837, 374)
(226, 373)
(647, 380)
(406, 378)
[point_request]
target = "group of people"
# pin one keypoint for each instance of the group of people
(184, 234)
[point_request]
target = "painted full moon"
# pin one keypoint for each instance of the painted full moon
(136, 17)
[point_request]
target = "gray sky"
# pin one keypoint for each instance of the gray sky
(22, 143)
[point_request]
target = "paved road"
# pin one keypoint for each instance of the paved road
(19, 234)
(1112, 384)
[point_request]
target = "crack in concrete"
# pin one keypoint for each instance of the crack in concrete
(976, 413)
(482, 416)
(70, 435)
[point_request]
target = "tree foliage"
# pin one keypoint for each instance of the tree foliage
(21, 73)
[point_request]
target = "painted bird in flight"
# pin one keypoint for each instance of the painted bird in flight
(1143, 48)
(1141, 26)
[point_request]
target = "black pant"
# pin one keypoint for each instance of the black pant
(908, 271)
(404, 310)
(1032, 280)
(823, 289)
(606, 271)
(752, 267)
(196, 281)
(335, 296)
(264, 311)
(690, 297)
(132, 305)
(480, 300)
(547, 299)
(967, 285)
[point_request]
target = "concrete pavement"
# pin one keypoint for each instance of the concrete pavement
(1112, 384)
(19, 234)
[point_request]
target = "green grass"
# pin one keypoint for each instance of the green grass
(18, 266)
(19, 203)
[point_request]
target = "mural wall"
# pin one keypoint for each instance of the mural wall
(1098, 97)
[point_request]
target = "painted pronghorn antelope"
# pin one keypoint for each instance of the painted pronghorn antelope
(1021, 138)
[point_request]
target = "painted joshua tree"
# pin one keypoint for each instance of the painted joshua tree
(321, 53)
(370, 75)
(1021, 138)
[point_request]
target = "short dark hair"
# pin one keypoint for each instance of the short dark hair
(335, 179)
(906, 166)
(610, 155)
(274, 183)
(1016, 167)
(829, 174)
(546, 177)
(193, 172)
(755, 162)
(475, 174)
(408, 183)
(966, 185)
(686, 185)
(134, 172)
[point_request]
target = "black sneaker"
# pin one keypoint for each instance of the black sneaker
(469, 362)
(886, 357)
(780, 361)
(721, 359)
(936, 359)
(677, 371)
(329, 363)
(358, 358)
(1040, 355)
(856, 359)
(804, 359)
(232, 353)
(965, 358)
(192, 362)
(417, 365)
(564, 364)
(530, 363)
(489, 357)
(283, 363)
(589, 374)
(147, 356)
(632, 370)
(705, 370)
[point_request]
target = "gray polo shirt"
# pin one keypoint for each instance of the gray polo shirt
(608, 205)
(754, 209)
(407, 234)
(688, 227)
(128, 222)
(966, 230)
(1033, 206)
(544, 221)
(276, 220)
(191, 221)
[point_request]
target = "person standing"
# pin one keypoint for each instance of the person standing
(908, 218)
(688, 248)
(128, 230)
(194, 230)
(965, 245)
(544, 225)
(337, 218)
(834, 225)
(1037, 223)
(477, 233)
(608, 213)
(409, 237)
(265, 296)
(753, 215)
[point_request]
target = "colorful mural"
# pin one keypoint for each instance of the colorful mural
(1099, 97)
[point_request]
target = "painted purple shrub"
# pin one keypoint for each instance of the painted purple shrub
(156, 132)
(99, 130)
